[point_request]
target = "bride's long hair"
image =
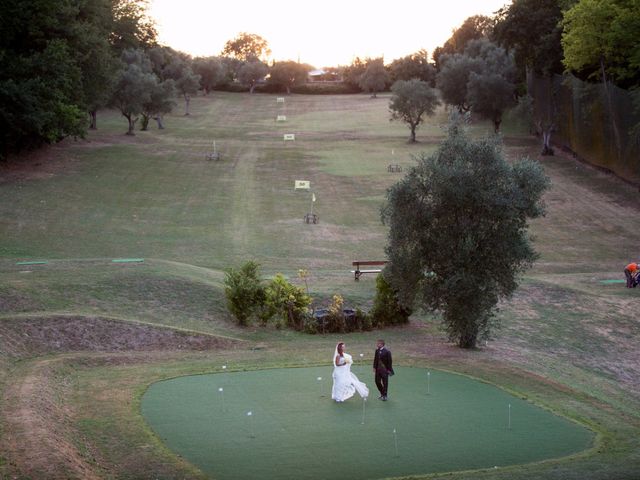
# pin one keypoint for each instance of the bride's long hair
(336, 353)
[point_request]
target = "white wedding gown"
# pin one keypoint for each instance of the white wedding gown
(345, 383)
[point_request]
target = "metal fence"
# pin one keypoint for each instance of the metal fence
(594, 121)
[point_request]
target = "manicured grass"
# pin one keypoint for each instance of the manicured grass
(568, 342)
(296, 431)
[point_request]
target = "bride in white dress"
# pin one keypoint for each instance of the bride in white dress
(345, 383)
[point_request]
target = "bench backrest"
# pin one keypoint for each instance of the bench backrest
(378, 262)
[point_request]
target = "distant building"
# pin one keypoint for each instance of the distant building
(324, 76)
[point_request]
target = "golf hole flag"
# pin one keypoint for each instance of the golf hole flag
(302, 185)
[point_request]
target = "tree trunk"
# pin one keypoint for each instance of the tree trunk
(187, 100)
(496, 124)
(412, 137)
(132, 123)
(288, 90)
(93, 120)
(251, 87)
(159, 119)
(468, 340)
(547, 149)
(144, 126)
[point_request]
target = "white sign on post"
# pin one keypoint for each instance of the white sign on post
(280, 100)
(281, 118)
(289, 137)
(302, 185)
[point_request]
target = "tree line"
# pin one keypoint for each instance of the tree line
(483, 67)
(62, 61)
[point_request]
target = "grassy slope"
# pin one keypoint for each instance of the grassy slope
(154, 196)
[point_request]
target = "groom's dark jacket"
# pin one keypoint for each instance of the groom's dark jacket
(382, 362)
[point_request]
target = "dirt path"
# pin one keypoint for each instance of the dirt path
(39, 426)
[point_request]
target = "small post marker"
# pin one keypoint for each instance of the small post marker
(253, 430)
(221, 390)
(428, 383)
(362, 359)
(320, 382)
(395, 441)
(509, 424)
(364, 408)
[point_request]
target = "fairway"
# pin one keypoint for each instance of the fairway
(449, 422)
(113, 252)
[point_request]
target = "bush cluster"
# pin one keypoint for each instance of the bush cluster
(287, 305)
(248, 297)
(386, 308)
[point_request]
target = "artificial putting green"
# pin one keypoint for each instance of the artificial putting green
(442, 422)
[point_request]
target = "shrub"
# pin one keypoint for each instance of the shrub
(288, 301)
(244, 291)
(386, 308)
(363, 320)
(335, 318)
(310, 325)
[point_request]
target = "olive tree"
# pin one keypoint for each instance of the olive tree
(374, 78)
(458, 231)
(481, 80)
(161, 101)
(251, 73)
(411, 101)
(133, 86)
(288, 74)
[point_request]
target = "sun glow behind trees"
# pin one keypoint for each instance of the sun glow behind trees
(329, 33)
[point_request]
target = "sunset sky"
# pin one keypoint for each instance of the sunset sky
(321, 32)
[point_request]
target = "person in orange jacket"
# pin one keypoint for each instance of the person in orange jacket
(631, 271)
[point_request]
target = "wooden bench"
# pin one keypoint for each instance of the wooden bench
(357, 272)
(393, 168)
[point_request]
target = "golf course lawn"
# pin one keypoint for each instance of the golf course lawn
(86, 343)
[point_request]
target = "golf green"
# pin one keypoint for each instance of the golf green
(283, 424)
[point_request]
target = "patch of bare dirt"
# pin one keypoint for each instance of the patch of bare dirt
(29, 337)
(39, 164)
(50, 160)
(38, 438)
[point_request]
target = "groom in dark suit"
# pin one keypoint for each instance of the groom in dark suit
(383, 368)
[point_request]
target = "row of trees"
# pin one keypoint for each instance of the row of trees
(483, 67)
(58, 59)
(595, 40)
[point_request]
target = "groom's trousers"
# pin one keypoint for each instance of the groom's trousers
(382, 382)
